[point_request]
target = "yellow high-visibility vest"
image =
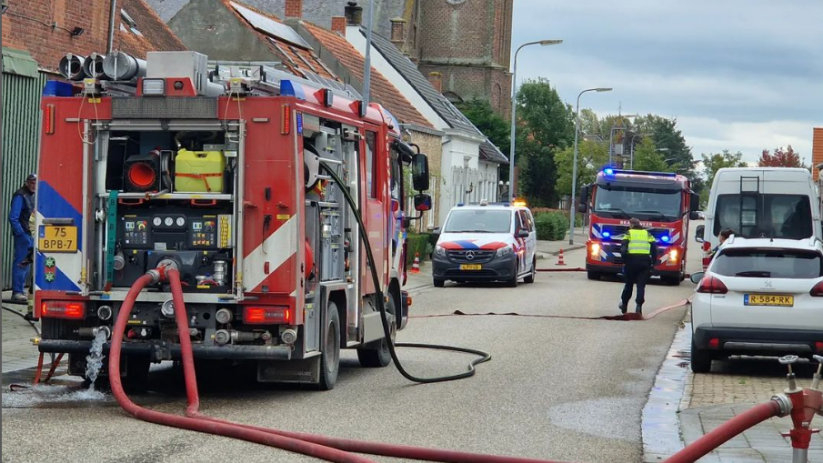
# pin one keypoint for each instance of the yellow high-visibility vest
(640, 242)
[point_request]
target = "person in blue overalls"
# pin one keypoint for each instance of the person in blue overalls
(22, 207)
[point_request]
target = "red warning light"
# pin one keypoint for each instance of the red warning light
(142, 175)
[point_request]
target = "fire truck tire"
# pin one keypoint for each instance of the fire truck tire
(137, 374)
(376, 353)
(439, 282)
(530, 277)
(673, 281)
(593, 275)
(330, 359)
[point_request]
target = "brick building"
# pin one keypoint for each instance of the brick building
(468, 42)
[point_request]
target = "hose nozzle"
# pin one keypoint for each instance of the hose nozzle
(160, 273)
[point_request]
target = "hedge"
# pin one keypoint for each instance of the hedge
(551, 226)
(417, 243)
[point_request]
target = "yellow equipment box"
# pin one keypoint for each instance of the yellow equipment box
(199, 171)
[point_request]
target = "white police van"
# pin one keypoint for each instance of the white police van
(486, 242)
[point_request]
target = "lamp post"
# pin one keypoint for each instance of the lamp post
(574, 161)
(514, 110)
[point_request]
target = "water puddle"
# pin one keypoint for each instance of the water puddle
(46, 394)
(51, 395)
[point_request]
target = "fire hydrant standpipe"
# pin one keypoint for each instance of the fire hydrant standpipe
(327, 448)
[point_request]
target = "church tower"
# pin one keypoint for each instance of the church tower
(465, 47)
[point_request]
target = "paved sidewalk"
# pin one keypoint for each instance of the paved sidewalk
(684, 406)
(18, 350)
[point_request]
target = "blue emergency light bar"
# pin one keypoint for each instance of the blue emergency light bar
(610, 172)
(289, 88)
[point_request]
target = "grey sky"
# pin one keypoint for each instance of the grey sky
(742, 75)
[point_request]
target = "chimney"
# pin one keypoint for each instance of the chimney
(436, 79)
(294, 9)
(398, 31)
(338, 24)
(817, 152)
(354, 14)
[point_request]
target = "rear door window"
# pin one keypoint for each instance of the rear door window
(764, 215)
(768, 263)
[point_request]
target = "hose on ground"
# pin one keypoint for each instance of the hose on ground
(187, 422)
(23, 316)
(482, 356)
(327, 448)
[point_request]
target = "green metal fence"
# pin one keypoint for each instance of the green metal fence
(21, 138)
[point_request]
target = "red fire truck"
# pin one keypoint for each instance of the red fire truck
(238, 176)
(662, 201)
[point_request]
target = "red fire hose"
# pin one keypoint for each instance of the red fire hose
(327, 448)
(197, 424)
(726, 431)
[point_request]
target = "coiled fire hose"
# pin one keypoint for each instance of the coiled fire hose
(482, 356)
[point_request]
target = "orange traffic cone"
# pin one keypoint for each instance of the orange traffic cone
(416, 265)
(560, 258)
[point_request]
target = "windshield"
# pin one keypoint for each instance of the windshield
(478, 221)
(764, 215)
(662, 205)
(768, 263)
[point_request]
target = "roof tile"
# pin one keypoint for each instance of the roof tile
(293, 56)
(381, 89)
(447, 111)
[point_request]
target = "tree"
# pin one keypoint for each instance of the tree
(481, 114)
(545, 125)
(669, 140)
(780, 158)
(591, 157)
(714, 162)
(648, 158)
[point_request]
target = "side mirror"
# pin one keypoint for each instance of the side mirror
(523, 233)
(696, 277)
(698, 233)
(693, 215)
(582, 205)
(420, 175)
(422, 202)
(694, 202)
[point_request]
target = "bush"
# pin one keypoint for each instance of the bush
(417, 243)
(551, 226)
(578, 216)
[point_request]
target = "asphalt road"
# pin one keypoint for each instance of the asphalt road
(563, 384)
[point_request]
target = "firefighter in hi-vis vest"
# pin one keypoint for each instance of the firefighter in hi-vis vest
(638, 251)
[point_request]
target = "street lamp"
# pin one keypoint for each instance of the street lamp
(574, 161)
(514, 110)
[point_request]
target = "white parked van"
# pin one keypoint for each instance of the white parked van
(762, 202)
(486, 242)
